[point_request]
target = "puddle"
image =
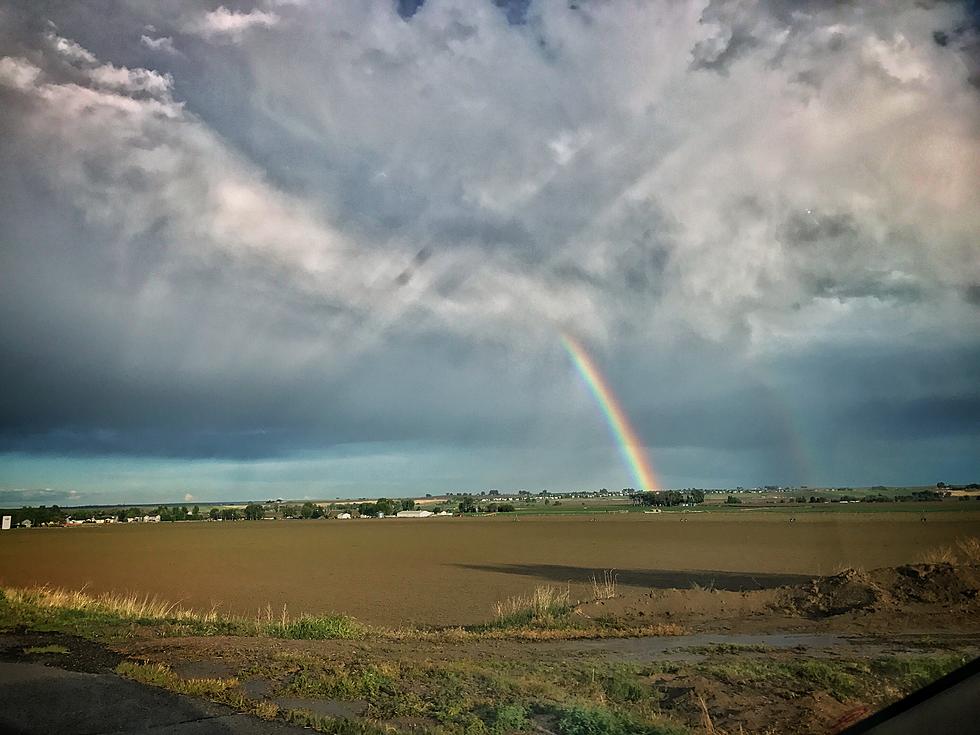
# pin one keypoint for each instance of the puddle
(203, 670)
(672, 648)
(328, 707)
(257, 688)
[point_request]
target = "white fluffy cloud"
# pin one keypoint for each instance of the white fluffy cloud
(163, 43)
(18, 73)
(229, 25)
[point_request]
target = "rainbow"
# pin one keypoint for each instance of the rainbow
(630, 445)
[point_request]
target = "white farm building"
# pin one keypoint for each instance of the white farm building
(413, 514)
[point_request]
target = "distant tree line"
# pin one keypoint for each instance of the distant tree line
(468, 504)
(668, 498)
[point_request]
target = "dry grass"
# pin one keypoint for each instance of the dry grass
(966, 551)
(544, 614)
(604, 589)
(706, 724)
(151, 610)
(940, 555)
(129, 607)
(969, 549)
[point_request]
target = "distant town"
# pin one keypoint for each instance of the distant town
(490, 502)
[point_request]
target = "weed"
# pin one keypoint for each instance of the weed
(622, 686)
(507, 718)
(604, 589)
(546, 606)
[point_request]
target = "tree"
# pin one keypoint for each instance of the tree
(196, 512)
(254, 512)
(732, 500)
(697, 496)
(310, 510)
(368, 509)
(214, 514)
(383, 505)
(230, 514)
(466, 504)
(509, 508)
(408, 504)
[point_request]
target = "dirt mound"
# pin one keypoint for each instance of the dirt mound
(938, 584)
(856, 590)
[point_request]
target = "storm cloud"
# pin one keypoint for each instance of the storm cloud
(329, 247)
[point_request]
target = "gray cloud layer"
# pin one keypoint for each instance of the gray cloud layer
(258, 228)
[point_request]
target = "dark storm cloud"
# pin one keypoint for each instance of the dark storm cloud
(261, 229)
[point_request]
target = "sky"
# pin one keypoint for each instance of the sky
(311, 248)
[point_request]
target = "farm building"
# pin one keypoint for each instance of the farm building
(413, 514)
(343, 516)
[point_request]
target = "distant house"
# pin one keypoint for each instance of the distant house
(413, 514)
(151, 519)
(343, 516)
(25, 523)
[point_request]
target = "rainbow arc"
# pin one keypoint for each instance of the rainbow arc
(630, 446)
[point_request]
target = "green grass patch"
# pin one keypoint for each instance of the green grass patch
(53, 648)
(579, 720)
(909, 673)
(309, 627)
(330, 725)
(842, 680)
(727, 648)
(338, 682)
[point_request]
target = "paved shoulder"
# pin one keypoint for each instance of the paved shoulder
(49, 700)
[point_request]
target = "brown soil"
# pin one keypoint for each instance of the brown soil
(451, 570)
